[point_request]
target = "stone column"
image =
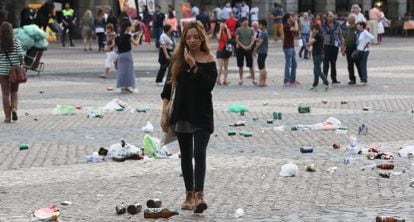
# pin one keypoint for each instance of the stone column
(291, 6)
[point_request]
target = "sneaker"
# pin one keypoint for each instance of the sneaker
(336, 82)
(313, 88)
(351, 83)
(286, 84)
(363, 84)
(326, 88)
(254, 83)
(160, 84)
(240, 82)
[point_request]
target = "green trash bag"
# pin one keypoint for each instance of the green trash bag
(35, 32)
(41, 44)
(64, 110)
(25, 40)
(237, 108)
(152, 148)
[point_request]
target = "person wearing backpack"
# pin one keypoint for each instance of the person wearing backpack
(224, 52)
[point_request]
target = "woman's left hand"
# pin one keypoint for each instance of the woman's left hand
(189, 59)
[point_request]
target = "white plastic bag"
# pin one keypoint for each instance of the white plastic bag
(114, 105)
(289, 170)
(407, 151)
(123, 150)
(148, 128)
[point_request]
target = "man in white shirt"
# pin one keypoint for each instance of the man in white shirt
(244, 10)
(225, 12)
(356, 10)
(194, 10)
(254, 13)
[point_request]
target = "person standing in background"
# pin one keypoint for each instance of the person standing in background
(100, 29)
(245, 42)
(172, 21)
(254, 13)
(262, 45)
(147, 20)
(350, 43)
(356, 11)
(69, 22)
(374, 18)
(277, 15)
(244, 10)
(225, 13)
(112, 19)
(223, 59)
(382, 23)
(317, 55)
(111, 55)
(332, 40)
(194, 10)
(290, 26)
(167, 45)
(364, 38)
(158, 25)
(86, 25)
(305, 30)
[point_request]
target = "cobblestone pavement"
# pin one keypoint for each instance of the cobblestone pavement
(242, 172)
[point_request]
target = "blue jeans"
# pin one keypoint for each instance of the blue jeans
(317, 71)
(363, 60)
(305, 39)
(290, 65)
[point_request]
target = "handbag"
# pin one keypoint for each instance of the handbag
(17, 74)
(170, 136)
(356, 54)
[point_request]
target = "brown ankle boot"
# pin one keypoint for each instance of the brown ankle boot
(200, 204)
(189, 201)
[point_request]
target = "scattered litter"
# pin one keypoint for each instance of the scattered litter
(289, 170)
(246, 133)
(279, 128)
(231, 133)
(336, 146)
(389, 219)
(41, 91)
(412, 183)
(148, 128)
(324, 101)
(386, 166)
(367, 108)
(94, 158)
(353, 147)
(239, 213)
(265, 103)
(304, 109)
(342, 130)
(367, 167)
(134, 208)
(51, 213)
(154, 203)
(109, 88)
(155, 213)
(255, 119)
(239, 123)
(120, 209)
(269, 121)
(330, 124)
(115, 105)
(237, 108)
(306, 149)
(123, 151)
(142, 109)
(78, 107)
(277, 115)
(385, 175)
(375, 153)
(407, 152)
(66, 203)
(310, 167)
(152, 148)
(363, 130)
(23, 146)
(344, 102)
(89, 137)
(396, 173)
(64, 110)
(332, 169)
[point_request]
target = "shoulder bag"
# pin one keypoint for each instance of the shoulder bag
(17, 74)
(170, 136)
(356, 54)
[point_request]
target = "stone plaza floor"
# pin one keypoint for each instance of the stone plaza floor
(242, 172)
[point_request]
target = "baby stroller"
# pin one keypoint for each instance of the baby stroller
(32, 60)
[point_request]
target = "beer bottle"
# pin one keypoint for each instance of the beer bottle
(155, 213)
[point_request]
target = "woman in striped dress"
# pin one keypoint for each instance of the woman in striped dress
(11, 53)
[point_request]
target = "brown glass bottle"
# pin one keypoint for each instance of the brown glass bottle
(155, 213)
(386, 166)
(389, 219)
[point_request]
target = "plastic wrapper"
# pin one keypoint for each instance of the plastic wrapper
(237, 108)
(152, 148)
(64, 110)
(35, 32)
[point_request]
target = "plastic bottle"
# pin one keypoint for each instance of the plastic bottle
(155, 213)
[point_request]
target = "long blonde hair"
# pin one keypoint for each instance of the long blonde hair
(177, 60)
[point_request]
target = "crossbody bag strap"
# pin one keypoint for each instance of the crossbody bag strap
(8, 58)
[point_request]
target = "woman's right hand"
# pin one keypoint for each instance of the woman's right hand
(164, 122)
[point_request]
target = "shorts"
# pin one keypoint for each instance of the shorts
(86, 32)
(241, 54)
(111, 57)
(219, 54)
(261, 61)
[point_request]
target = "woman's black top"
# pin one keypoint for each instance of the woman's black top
(123, 43)
(193, 99)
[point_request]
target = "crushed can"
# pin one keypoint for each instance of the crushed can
(120, 209)
(134, 208)
(269, 121)
(304, 109)
(279, 116)
(275, 116)
(231, 133)
(154, 203)
(363, 130)
(306, 149)
(242, 113)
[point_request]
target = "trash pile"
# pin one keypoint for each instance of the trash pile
(31, 36)
(154, 210)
